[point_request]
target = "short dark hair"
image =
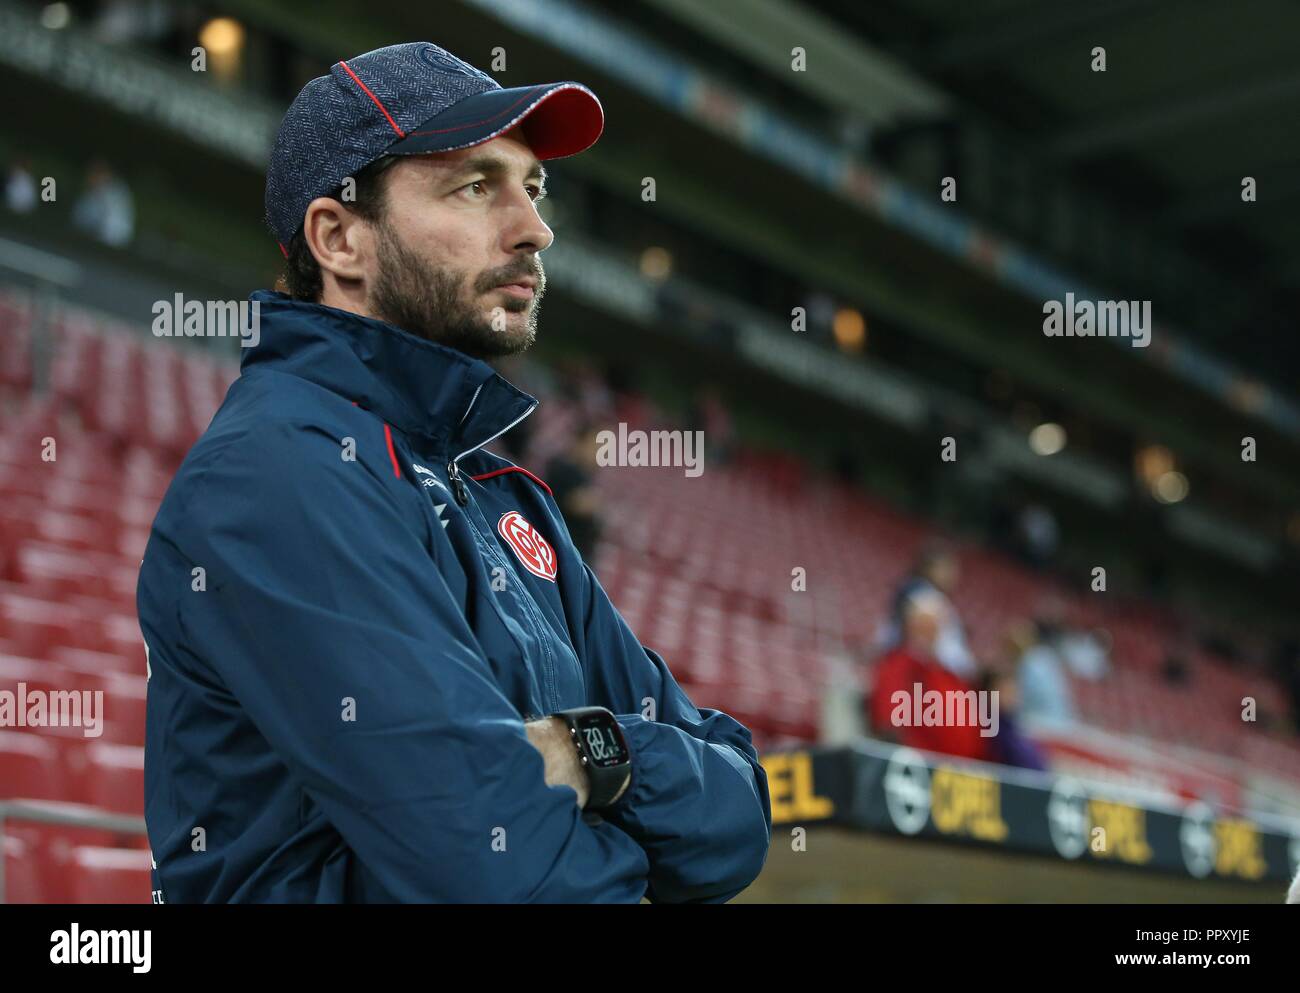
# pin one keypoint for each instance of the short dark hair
(932, 553)
(301, 277)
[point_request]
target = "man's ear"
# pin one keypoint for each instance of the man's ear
(337, 238)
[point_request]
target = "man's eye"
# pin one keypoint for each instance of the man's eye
(477, 187)
(536, 192)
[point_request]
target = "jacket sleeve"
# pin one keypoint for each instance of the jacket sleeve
(699, 801)
(332, 627)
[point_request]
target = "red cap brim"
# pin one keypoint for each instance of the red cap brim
(557, 119)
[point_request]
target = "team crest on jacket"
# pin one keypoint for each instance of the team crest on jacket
(536, 554)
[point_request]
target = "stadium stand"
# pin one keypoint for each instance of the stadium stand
(690, 566)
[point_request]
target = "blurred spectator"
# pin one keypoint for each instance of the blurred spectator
(846, 466)
(710, 414)
(20, 187)
(530, 375)
(122, 22)
(1038, 534)
(936, 572)
(106, 210)
(1175, 669)
(1287, 670)
(911, 663)
(1003, 523)
(593, 393)
(1010, 746)
(1045, 693)
(1085, 653)
(569, 476)
(819, 310)
(573, 393)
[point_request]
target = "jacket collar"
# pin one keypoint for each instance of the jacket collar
(431, 392)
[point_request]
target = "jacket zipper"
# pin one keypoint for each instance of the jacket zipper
(462, 498)
(457, 484)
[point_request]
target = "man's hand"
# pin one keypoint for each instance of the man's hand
(550, 736)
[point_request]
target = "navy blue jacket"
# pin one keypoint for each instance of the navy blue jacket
(342, 655)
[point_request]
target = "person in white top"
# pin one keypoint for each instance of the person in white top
(935, 575)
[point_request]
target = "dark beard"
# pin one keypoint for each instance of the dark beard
(429, 303)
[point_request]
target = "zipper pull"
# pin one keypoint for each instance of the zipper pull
(457, 484)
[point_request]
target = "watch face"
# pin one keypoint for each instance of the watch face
(602, 740)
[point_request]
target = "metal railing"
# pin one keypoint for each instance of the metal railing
(63, 814)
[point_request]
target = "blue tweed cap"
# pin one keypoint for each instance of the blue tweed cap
(409, 100)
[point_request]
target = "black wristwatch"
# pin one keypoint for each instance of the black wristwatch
(603, 752)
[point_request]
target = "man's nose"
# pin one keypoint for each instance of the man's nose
(528, 231)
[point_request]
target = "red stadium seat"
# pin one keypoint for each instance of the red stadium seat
(111, 875)
(111, 776)
(31, 767)
(24, 872)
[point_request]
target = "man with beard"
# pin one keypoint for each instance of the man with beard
(379, 668)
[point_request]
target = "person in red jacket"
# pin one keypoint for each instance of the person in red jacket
(911, 665)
